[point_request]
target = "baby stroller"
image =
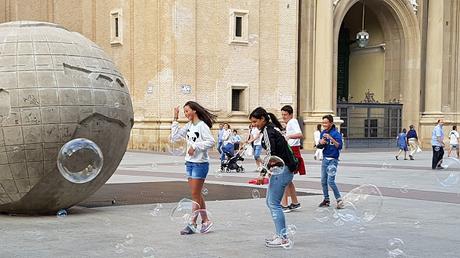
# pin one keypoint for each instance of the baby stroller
(233, 163)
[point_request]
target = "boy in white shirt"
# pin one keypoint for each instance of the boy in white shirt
(453, 140)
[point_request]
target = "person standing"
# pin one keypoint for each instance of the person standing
(227, 144)
(199, 140)
(236, 139)
(255, 139)
(293, 136)
(316, 137)
(437, 143)
(276, 145)
(453, 141)
(412, 141)
(331, 143)
(220, 133)
(402, 144)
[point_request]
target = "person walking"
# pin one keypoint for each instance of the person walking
(316, 137)
(331, 143)
(199, 141)
(402, 144)
(453, 141)
(276, 145)
(437, 143)
(293, 136)
(412, 141)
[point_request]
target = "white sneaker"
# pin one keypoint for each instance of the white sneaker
(278, 242)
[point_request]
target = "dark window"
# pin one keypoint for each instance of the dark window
(116, 27)
(238, 26)
(237, 95)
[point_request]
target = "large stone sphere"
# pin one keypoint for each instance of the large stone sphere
(55, 86)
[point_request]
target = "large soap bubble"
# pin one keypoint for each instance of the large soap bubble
(80, 160)
(273, 164)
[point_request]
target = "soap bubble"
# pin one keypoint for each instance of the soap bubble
(183, 210)
(273, 164)
(80, 160)
(448, 172)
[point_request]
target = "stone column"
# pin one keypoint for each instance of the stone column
(324, 43)
(434, 56)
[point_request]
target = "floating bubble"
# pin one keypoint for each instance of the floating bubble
(395, 243)
(397, 253)
(348, 213)
(200, 213)
(80, 160)
(129, 239)
(274, 164)
(116, 105)
(387, 165)
(156, 210)
(363, 203)
(154, 166)
(177, 146)
(119, 248)
(292, 229)
(448, 172)
(255, 194)
(148, 252)
(331, 170)
(322, 215)
(417, 224)
(218, 173)
(182, 211)
(395, 248)
(204, 191)
(61, 213)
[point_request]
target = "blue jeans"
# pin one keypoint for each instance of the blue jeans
(227, 148)
(257, 151)
(328, 172)
(275, 192)
(219, 147)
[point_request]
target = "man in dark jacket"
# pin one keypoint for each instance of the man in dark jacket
(331, 143)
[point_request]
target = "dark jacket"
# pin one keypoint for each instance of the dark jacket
(279, 147)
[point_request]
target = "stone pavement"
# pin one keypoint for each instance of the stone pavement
(416, 209)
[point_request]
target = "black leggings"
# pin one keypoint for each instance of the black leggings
(438, 154)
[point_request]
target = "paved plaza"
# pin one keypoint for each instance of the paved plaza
(130, 215)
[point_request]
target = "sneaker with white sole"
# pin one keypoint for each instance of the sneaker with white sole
(278, 242)
(189, 229)
(269, 239)
(205, 227)
(286, 209)
(340, 204)
(295, 206)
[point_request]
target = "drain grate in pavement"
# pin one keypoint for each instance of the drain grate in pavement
(165, 192)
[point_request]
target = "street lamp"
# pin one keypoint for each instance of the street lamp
(362, 37)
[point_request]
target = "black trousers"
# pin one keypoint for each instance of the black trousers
(438, 154)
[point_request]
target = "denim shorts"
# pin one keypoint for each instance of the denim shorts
(197, 170)
(257, 151)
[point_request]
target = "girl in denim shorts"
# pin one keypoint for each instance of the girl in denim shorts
(199, 141)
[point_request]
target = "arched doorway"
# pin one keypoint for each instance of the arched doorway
(388, 70)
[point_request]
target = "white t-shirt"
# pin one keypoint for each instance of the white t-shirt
(255, 132)
(227, 137)
(198, 137)
(316, 136)
(453, 136)
(293, 127)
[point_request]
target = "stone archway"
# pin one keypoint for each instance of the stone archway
(403, 51)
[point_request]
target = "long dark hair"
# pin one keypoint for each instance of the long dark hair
(203, 114)
(260, 113)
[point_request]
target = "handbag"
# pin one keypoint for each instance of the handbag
(249, 152)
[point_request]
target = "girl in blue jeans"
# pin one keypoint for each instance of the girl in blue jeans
(199, 141)
(275, 144)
